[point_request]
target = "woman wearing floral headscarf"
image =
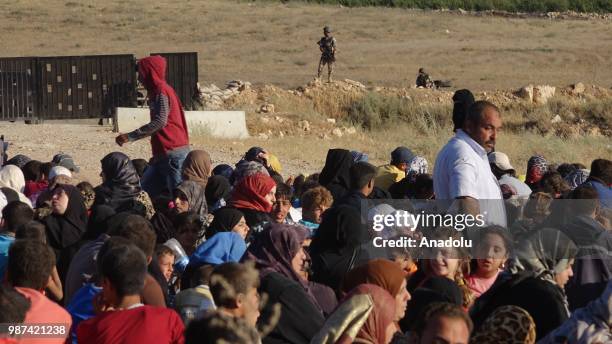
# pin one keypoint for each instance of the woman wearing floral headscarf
(536, 167)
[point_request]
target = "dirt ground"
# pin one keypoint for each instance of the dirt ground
(274, 43)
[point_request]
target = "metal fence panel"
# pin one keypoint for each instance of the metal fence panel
(17, 84)
(182, 75)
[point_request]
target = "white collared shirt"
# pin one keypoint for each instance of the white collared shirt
(462, 170)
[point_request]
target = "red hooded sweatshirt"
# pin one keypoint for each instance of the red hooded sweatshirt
(168, 128)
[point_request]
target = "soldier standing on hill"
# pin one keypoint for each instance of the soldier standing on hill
(327, 45)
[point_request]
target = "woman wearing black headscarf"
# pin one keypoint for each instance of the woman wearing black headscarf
(217, 192)
(120, 188)
(335, 175)
(340, 243)
(66, 225)
(227, 220)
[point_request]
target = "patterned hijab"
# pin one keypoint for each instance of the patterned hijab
(536, 167)
(417, 165)
(195, 194)
(577, 177)
(507, 324)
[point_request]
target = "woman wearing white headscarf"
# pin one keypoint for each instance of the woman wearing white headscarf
(12, 177)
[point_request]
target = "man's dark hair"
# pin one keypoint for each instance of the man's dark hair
(125, 267)
(462, 100)
(188, 221)
(476, 111)
(566, 169)
(141, 166)
(45, 169)
(602, 169)
(283, 191)
(230, 279)
(16, 214)
(30, 264)
(587, 200)
(216, 327)
(361, 174)
(14, 306)
(137, 230)
(441, 309)
(32, 230)
(31, 170)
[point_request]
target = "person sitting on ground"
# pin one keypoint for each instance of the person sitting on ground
(120, 188)
(282, 205)
(191, 303)
(576, 178)
(32, 230)
(66, 225)
(492, 251)
(234, 289)
(141, 166)
(423, 80)
(218, 327)
(14, 214)
(217, 192)
(14, 308)
(362, 185)
(122, 318)
(506, 174)
(553, 183)
(496, 330)
(385, 274)
(228, 220)
(88, 193)
(536, 167)
(443, 323)
(188, 231)
(314, 203)
(593, 267)
(601, 179)
(279, 256)
(335, 175)
(197, 167)
(421, 188)
(81, 305)
(396, 169)
(254, 196)
(30, 266)
(365, 316)
(536, 211)
(462, 100)
(66, 161)
(31, 173)
(221, 248)
(165, 259)
(12, 177)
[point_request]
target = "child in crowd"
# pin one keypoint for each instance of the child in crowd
(492, 251)
(314, 202)
(165, 260)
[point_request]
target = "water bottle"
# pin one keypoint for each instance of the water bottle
(182, 259)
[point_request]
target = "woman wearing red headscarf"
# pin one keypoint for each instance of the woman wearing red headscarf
(254, 197)
(167, 129)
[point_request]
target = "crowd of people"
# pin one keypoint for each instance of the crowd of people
(179, 249)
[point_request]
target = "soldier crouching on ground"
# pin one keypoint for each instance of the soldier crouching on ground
(327, 45)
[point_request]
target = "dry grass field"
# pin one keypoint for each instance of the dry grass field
(274, 43)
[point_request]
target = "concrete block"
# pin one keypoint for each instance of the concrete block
(222, 124)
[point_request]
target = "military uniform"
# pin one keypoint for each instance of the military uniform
(327, 45)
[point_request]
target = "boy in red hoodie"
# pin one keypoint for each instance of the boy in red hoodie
(167, 129)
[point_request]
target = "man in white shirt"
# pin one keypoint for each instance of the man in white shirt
(462, 170)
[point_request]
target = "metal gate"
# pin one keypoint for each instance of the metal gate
(85, 86)
(17, 88)
(182, 75)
